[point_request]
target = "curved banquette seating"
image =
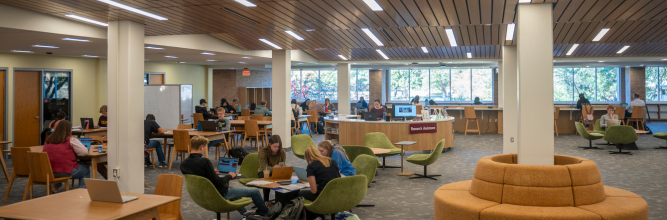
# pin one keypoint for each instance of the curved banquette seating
(501, 189)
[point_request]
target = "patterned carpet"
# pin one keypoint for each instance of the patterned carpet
(397, 197)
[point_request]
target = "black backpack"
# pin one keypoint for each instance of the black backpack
(239, 153)
(253, 106)
(293, 210)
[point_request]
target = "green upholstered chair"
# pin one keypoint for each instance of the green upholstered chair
(661, 135)
(427, 159)
(203, 192)
(588, 136)
(597, 128)
(300, 143)
(380, 140)
(249, 168)
(340, 194)
(619, 134)
(366, 165)
(353, 151)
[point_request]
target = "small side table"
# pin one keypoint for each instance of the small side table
(404, 143)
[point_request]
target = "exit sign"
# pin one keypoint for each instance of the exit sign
(246, 72)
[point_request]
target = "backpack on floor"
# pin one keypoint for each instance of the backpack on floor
(293, 210)
(239, 153)
(255, 216)
(320, 128)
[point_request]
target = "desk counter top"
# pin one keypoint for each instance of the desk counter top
(339, 119)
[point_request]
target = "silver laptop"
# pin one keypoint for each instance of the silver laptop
(106, 191)
(301, 173)
(613, 122)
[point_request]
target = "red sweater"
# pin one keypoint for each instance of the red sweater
(61, 156)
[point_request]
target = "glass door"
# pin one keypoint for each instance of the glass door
(56, 96)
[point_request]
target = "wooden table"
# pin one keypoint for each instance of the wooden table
(76, 204)
(210, 135)
(98, 132)
(641, 132)
(2, 160)
(273, 184)
(404, 143)
(377, 151)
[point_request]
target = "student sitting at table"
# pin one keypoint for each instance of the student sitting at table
(262, 110)
(296, 112)
(230, 109)
(201, 108)
(606, 117)
(337, 154)
(378, 109)
(150, 127)
(269, 157)
(328, 106)
(102, 122)
(222, 124)
(235, 104)
(305, 105)
(364, 105)
(195, 164)
(320, 171)
(59, 117)
(62, 149)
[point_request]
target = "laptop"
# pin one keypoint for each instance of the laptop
(86, 142)
(207, 125)
(87, 122)
(624, 104)
(106, 191)
(301, 173)
(227, 165)
(360, 105)
(282, 173)
(612, 122)
(369, 116)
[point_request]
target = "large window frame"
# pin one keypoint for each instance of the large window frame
(450, 85)
(574, 90)
(660, 93)
(297, 92)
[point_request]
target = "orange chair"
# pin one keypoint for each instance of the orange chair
(170, 185)
(620, 111)
(181, 145)
(556, 113)
(41, 173)
(245, 112)
(197, 117)
(637, 116)
(257, 117)
(21, 166)
(312, 120)
(470, 115)
(252, 131)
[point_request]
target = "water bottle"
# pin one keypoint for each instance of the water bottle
(199, 126)
(99, 149)
(384, 115)
(294, 179)
(239, 108)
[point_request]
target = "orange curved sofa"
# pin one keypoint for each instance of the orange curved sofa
(571, 189)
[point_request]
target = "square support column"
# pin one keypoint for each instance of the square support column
(535, 85)
(280, 103)
(126, 104)
(636, 81)
(344, 88)
(510, 112)
(501, 94)
(209, 87)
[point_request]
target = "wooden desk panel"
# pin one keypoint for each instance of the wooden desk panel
(353, 133)
(483, 117)
(566, 126)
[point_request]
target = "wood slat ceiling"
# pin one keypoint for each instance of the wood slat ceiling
(479, 25)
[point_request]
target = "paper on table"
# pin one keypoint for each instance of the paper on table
(258, 183)
(297, 186)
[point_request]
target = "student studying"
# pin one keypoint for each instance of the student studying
(150, 127)
(62, 149)
(270, 157)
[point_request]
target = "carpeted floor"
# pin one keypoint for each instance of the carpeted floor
(397, 197)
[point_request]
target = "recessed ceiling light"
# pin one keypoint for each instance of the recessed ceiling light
(88, 20)
(373, 5)
(246, 3)
(310, 29)
(524, 1)
(320, 48)
(242, 62)
(510, 31)
(664, 59)
(45, 46)
(271, 44)
(207, 53)
(181, 62)
(451, 62)
(627, 66)
(372, 36)
(623, 49)
(246, 57)
(301, 63)
(424, 49)
(342, 57)
(601, 34)
(74, 39)
(450, 36)
(135, 10)
(90, 56)
(294, 34)
(382, 54)
(601, 61)
(171, 56)
(21, 51)
(211, 60)
(469, 55)
(154, 48)
(574, 47)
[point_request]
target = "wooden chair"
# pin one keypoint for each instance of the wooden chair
(238, 131)
(196, 118)
(257, 117)
(245, 112)
(252, 131)
(170, 185)
(556, 113)
(181, 145)
(42, 174)
(470, 115)
(150, 150)
(184, 126)
(620, 111)
(312, 120)
(21, 167)
(270, 130)
(637, 116)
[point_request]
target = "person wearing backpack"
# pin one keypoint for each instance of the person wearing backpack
(269, 157)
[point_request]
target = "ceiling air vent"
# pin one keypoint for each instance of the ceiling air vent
(386, 35)
(240, 15)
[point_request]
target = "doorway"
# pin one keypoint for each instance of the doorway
(26, 108)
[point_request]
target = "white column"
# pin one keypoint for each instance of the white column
(126, 103)
(209, 87)
(535, 87)
(510, 126)
(344, 88)
(501, 95)
(280, 83)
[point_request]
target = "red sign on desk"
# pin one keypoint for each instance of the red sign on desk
(423, 128)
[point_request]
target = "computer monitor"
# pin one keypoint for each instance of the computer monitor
(87, 122)
(404, 111)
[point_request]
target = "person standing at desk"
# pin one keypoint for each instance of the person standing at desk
(201, 108)
(477, 101)
(378, 109)
(150, 127)
(582, 101)
(635, 102)
(609, 116)
(62, 149)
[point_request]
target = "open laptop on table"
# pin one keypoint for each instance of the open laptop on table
(106, 191)
(207, 125)
(301, 173)
(282, 173)
(613, 122)
(370, 116)
(228, 165)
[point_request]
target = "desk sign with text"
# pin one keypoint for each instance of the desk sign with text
(423, 128)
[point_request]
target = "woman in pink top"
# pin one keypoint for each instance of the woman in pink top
(62, 149)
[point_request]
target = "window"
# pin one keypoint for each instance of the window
(359, 86)
(314, 84)
(444, 85)
(295, 79)
(151, 78)
(56, 85)
(656, 84)
(598, 84)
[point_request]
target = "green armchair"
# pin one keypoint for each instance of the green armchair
(380, 140)
(588, 136)
(366, 165)
(597, 128)
(340, 194)
(661, 135)
(205, 195)
(249, 168)
(354, 151)
(427, 159)
(619, 134)
(300, 143)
